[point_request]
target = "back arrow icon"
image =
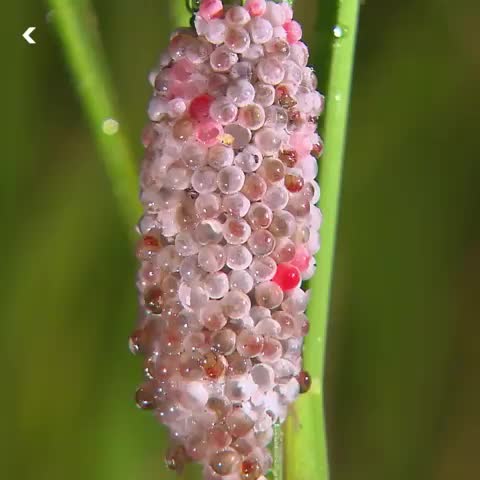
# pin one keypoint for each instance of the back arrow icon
(26, 35)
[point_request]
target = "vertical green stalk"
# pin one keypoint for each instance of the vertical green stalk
(306, 446)
(76, 25)
(179, 12)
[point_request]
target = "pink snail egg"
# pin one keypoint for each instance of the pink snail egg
(209, 133)
(210, 9)
(294, 31)
(301, 259)
(256, 8)
(287, 276)
(200, 107)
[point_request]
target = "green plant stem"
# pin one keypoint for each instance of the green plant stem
(278, 452)
(306, 446)
(76, 25)
(179, 13)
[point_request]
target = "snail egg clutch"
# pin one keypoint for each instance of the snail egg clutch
(228, 234)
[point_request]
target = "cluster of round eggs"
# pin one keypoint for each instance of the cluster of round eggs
(229, 233)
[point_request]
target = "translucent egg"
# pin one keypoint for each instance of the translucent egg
(198, 51)
(264, 376)
(168, 259)
(283, 224)
(208, 231)
(254, 52)
(215, 31)
(276, 197)
(183, 129)
(252, 116)
(216, 284)
(293, 73)
(241, 93)
(237, 39)
(258, 313)
(217, 84)
(261, 243)
(230, 179)
(274, 170)
(157, 108)
(242, 70)
(190, 366)
(236, 231)
(270, 71)
(178, 45)
(218, 438)
(276, 117)
(236, 304)
(189, 270)
(261, 30)
(254, 187)
(211, 258)
(196, 447)
(208, 133)
(268, 141)
(225, 462)
(296, 301)
(272, 350)
(178, 178)
(278, 48)
(185, 244)
(249, 343)
(212, 317)
(268, 327)
(264, 94)
(249, 159)
(241, 280)
(239, 423)
(287, 324)
(236, 204)
(204, 180)
(162, 81)
(220, 156)
(194, 155)
(223, 341)
(223, 110)
(299, 54)
(238, 365)
(285, 251)
(262, 269)
(275, 14)
(222, 59)
(237, 16)
(238, 257)
(241, 136)
(268, 295)
(259, 216)
(207, 205)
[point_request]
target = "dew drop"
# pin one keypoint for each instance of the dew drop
(50, 16)
(110, 126)
(339, 31)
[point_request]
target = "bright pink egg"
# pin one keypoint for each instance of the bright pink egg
(301, 259)
(200, 107)
(287, 276)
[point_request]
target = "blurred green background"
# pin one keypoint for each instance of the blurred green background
(403, 390)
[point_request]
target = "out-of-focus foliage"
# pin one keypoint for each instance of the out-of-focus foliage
(402, 383)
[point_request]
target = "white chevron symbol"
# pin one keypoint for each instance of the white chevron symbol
(26, 35)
